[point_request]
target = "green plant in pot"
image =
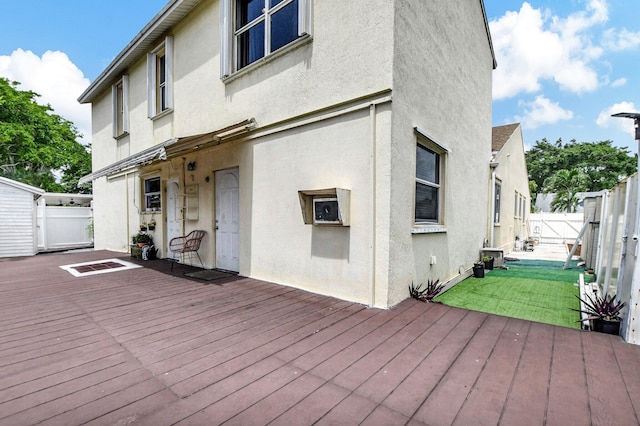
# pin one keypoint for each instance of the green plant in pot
(142, 239)
(603, 312)
(488, 262)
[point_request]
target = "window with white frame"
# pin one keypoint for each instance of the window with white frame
(152, 194)
(429, 197)
(160, 78)
(496, 201)
(120, 94)
(254, 29)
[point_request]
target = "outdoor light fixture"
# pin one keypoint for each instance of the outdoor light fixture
(636, 118)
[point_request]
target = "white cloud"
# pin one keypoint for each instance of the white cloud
(56, 79)
(542, 111)
(532, 46)
(621, 40)
(619, 82)
(605, 119)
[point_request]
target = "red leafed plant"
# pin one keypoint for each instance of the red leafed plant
(596, 307)
(427, 294)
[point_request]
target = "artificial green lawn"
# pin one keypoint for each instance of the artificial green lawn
(534, 290)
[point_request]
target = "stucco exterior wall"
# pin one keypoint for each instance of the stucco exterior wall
(341, 62)
(336, 111)
(442, 84)
(513, 176)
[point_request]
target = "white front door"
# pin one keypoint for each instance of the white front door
(174, 217)
(227, 220)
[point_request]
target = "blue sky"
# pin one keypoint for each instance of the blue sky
(563, 66)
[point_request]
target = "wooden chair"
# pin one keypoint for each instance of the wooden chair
(187, 245)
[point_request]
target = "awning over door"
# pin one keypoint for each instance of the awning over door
(170, 148)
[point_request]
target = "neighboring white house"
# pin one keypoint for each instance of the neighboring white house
(18, 235)
(510, 188)
(328, 145)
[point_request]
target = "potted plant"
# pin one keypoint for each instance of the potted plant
(152, 225)
(143, 226)
(478, 269)
(142, 239)
(488, 262)
(427, 294)
(603, 312)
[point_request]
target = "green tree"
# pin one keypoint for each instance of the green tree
(603, 164)
(36, 145)
(566, 184)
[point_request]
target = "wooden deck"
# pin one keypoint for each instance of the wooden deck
(144, 347)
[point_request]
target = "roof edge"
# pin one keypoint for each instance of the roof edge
(486, 26)
(148, 34)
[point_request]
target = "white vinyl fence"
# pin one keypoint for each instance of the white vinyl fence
(612, 245)
(555, 228)
(63, 227)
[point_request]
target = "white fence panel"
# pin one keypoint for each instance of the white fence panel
(63, 227)
(555, 228)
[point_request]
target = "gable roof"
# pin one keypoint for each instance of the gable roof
(37, 192)
(501, 134)
(143, 42)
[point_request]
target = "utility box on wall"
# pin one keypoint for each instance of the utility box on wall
(325, 207)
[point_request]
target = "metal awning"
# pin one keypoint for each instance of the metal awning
(170, 148)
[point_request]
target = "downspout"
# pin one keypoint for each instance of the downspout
(372, 260)
(492, 201)
(126, 180)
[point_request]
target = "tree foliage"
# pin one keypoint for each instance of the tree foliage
(601, 164)
(38, 147)
(566, 184)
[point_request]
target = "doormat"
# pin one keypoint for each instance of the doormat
(98, 267)
(211, 274)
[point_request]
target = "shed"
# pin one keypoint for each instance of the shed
(18, 236)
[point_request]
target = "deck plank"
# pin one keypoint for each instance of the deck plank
(146, 347)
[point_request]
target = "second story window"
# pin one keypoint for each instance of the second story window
(254, 29)
(160, 78)
(120, 94)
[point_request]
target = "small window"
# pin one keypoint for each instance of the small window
(254, 29)
(152, 194)
(496, 201)
(429, 184)
(159, 69)
(120, 92)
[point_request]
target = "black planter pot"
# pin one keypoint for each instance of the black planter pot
(488, 264)
(478, 270)
(606, 326)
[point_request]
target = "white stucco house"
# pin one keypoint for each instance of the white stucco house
(510, 197)
(321, 144)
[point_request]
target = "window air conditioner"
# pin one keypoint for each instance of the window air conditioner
(326, 211)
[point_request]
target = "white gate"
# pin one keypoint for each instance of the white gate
(555, 228)
(63, 227)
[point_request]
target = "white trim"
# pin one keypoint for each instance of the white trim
(424, 134)
(305, 17)
(226, 36)
(167, 46)
(125, 266)
(124, 82)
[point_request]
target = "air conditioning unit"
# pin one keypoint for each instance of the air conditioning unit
(326, 211)
(325, 207)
